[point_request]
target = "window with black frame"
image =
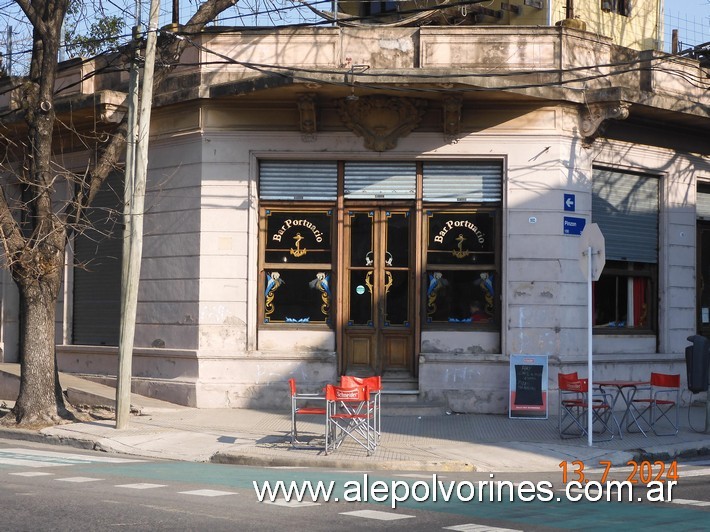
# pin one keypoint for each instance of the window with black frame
(461, 268)
(620, 7)
(375, 7)
(624, 295)
(297, 275)
(625, 206)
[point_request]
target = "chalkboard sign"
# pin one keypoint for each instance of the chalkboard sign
(528, 386)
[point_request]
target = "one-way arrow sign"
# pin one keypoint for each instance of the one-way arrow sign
(569, 202)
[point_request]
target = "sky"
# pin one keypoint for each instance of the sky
(699, 6)
(691, 18)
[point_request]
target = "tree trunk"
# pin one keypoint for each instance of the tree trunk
(39, 402)
(34, 249)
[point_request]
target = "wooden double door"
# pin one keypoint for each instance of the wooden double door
(378, 272)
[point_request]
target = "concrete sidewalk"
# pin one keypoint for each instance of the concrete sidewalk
(465, 442)
(461, 442)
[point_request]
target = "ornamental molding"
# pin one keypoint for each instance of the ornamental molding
(451, 107)
(593, 118)
(381, 120)
(307, 116)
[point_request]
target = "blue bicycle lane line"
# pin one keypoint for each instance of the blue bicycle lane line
(558, 512)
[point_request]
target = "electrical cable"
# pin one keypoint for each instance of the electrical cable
(288, 71)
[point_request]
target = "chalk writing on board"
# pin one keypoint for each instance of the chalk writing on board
(528, 385)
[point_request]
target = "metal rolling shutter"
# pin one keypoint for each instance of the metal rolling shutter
(380, 180)
(469, 181)
(626, 208)
(298, 180)
(97, 284)
(702, 205)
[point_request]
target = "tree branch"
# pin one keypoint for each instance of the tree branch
(12, 237)
(32, 15)
(111, 153)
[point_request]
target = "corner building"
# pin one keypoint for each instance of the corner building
(404, 201)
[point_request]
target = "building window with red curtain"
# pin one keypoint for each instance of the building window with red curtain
(623, 297)
(625, 205)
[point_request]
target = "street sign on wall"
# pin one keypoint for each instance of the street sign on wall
(573, 225)
(569, 202)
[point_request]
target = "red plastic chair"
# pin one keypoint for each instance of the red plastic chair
(574, 405)
(305, 410)
(374, 386)
(663, 399)
(349, 415)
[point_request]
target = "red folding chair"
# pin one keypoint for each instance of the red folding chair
(305, 399)
(663, 400)
(574, 405)
(374, 386)
(349, 415)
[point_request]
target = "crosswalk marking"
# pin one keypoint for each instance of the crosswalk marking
(36, 458)
(693, 472)
(689, 502)
(31, 474)
(292, 504)
(141, 486)
(29, 462)
(207, 493)
(376, 514)
(418, 475)
(472, 527)
(78, 479)
(682, 471)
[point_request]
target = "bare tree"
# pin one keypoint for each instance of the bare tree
(35, 228)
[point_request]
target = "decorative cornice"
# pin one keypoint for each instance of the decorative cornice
(594, 116)
(381, 120)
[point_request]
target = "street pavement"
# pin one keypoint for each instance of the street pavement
(442, 442)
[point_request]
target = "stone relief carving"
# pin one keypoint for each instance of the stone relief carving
(452, 106)
(307, 111)
(594, 116)
(381, 120)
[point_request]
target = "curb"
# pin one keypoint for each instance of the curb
(231, 458)
(38, 437)
(665, 456)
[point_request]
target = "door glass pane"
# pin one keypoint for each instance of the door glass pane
(396, 298)
(361, 297)
(298, 237)
(460, 296)
(361, 252)
(461, 238)
(397, 239)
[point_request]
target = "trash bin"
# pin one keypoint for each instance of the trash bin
(697, 362)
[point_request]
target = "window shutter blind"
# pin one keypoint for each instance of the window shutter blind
(380, 180)
(479, 182)
(97, 283)
(298, 180)
(702, 205)
(626, 208)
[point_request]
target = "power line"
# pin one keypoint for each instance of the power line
(288, 71)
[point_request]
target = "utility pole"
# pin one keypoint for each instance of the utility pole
(134, 190)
